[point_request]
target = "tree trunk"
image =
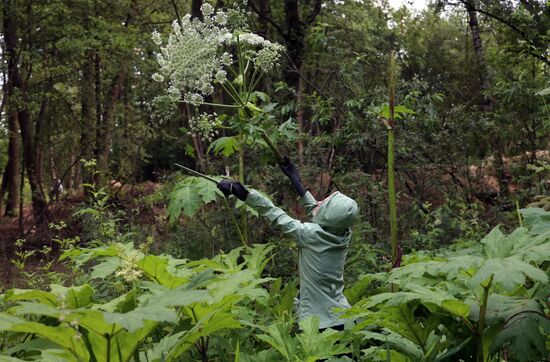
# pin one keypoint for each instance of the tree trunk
(12, 168)
(487, 99)
(88, 120)
(295, 40)
(265, 10)
(105, 128)
(11, 174)
(478, 48)
(23, 116)
(196, 9)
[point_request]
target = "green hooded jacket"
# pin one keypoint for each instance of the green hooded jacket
(322, 250)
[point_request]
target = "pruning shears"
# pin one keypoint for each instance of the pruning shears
(196, 173)
(267, 140)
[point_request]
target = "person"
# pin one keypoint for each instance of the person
(56, 190)
(322, 244)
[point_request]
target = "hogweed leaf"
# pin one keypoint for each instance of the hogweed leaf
(224, 145)
(508, 273)
(156, 268)
(524, 335)
(183, 199)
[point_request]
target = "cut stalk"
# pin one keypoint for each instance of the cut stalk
(480, 357)
(244, 227)
(271, 146)
(391, 161)
(235, 223)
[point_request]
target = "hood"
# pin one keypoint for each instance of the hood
(337, 214)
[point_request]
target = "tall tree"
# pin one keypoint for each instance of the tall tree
(13, 46)
(294, 31)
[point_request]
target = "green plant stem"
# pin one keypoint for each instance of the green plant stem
(256, 82)
(241, 68)
(237, 227)
(520, 219)
(391, 162)
(221, 105)
(232, 88)
(241, 180)
(235, 97)
(244, 74)
(480, 355)
(271, 146)
(253, 85)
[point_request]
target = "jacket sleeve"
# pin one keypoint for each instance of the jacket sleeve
(275, 215)
(309, 202)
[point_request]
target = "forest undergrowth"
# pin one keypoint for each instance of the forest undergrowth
(111, 298)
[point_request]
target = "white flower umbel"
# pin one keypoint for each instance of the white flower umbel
(205, 126)
(194, 59)
(191, 58)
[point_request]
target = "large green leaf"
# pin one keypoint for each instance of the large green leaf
(508, 273)
(315, 345)
(189, 195)
(207, 190)
(156, 268)
(525, 334)
(224, 145)
(278, 336)
(73, 297)
(31, 294)
(395, 342)
(209, 321)
(426, 296)
(398, 111)
(536, 219)
(62, 335)
(183, 199)
(106, 267)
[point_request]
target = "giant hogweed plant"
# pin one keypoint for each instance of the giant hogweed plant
(171, 306)
(216, 53)
(484, 302)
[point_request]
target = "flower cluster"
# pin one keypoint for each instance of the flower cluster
(193, 60)
(129, 270)
(205, 126)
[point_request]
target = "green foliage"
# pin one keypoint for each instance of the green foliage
(189, 195)
(183, 301)
(440, 303)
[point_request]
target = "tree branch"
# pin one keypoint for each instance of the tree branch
(314, 12)
(281, 31)
(523, 34)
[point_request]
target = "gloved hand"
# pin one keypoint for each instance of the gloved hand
(233, 188)
(292, 173)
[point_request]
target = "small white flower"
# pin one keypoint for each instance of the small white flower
(251, 39)
(205, 126)
(156, 38)
(207, 9)
(221, 18)
(221, 76)
(158, 77)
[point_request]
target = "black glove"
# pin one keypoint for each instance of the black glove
(292, 173)
(233, 188)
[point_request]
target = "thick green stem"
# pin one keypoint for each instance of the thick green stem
(233, 96)
(392, 197)
(520, 219)
(241, 180)
(480, 353)
(235, 223)
(391, 162)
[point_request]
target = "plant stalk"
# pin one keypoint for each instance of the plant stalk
(480, 355)
(391, 161)
(244, 228)
(237, 227)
